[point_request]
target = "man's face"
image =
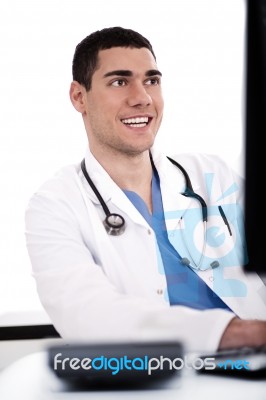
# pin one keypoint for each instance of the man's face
(124, 107)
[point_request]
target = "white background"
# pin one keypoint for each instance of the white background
(199, 46)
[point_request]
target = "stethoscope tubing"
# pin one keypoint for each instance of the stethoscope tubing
(115, 223)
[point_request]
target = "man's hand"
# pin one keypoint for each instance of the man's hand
(241, 333)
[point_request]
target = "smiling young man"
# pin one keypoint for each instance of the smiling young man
(122, 113)
(147, 279)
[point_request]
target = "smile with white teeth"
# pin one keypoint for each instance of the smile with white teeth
(138, 122)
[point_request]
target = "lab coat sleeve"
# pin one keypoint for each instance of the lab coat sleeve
(84, 305)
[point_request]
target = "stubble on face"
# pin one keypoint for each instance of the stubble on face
(103, 136)
(108, 105)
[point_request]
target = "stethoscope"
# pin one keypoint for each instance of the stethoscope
(115, 224)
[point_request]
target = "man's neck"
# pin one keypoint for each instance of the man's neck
(129, 172)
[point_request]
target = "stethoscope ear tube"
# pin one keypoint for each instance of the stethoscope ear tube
(189, 192)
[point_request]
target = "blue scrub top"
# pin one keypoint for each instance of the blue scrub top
(184, 286)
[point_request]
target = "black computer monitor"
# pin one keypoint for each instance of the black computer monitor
(255, 135)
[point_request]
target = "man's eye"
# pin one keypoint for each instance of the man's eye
(118, 82)
(153, 81)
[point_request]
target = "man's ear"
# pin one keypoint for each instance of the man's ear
(77, 96)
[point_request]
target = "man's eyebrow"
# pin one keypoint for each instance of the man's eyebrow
(153, 72)
(118, 72)
(126, 72)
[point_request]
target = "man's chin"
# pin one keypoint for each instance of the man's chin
(137, 150)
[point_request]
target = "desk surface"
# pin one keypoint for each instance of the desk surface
(29, 378)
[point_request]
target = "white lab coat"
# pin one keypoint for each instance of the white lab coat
(100, 287)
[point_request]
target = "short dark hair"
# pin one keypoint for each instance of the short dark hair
(85, 60)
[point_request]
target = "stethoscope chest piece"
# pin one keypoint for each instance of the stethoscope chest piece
(114, 224)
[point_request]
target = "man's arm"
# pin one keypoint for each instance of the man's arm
(84, 303)
(240, 333)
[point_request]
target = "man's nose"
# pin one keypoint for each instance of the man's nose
(138, 96)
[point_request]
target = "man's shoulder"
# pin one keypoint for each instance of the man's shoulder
(57, 199)
(62, 183)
